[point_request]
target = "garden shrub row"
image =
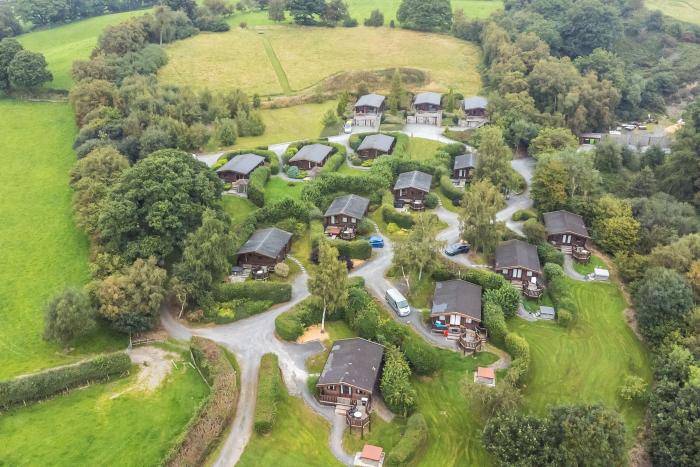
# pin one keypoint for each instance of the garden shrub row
(285, 208)
(270, 158)
(270, 393)
(47, 383)
(519, 349)
(322, 188)
(448, 270)
(290, 324)
(392, 216)
(524, 214)
(275, 292)
(450, 191)
(354, 249)
(333, 163)
(550, 254)
(205, 429)
(256, 185)
(422, 356)
(414, 438)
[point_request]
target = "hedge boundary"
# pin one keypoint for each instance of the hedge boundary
(205, 428)
(275, 292)
(411, 442)
(42, 385)
(270, 392)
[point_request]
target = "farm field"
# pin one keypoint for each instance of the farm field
(304, 57)
(588, 362)
(89, 423)
(42, 250)
(64, 44)
(684, 10)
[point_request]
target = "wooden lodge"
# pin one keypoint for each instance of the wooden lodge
(475, 112)
(376, 145)
(464, 167)
(368, 110)
(519, 263)
(428, 108)
(567, 231)
(456, 307)
(265, 248)
(343, 216)
(310, 156)
(411, 187)
(239, 167)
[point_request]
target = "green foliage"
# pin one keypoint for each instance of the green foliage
(422, 356)
(414, 438)
(614, 228)
(553, 271)
(334, 162)
(305, 12)
(354, 249)
(564, 318)
(551, 140)
(633, 389)
(38, 386)
(519, 349)
(69, 315)
(226, 132)
(478, 223)
(425, 15)
(550, 254)
(28, 70)
(254, 290)
(493, 164)
(293, 172)
(396, 388)
(256, 185)
(506, 297)
(270, 392)
(431, 200)
(329, 281)
(534, 231)
(495, 323)
(524, 215)
(288, 326)
(376, 19)
(448, 189)
(391, 216)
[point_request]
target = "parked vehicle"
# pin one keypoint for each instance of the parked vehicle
(457, 248)
(376, 241)
(348, 127)
(397, 302)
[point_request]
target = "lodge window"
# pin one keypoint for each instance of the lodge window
(517, 273)
(345, 219)
(354, 221)
(529, 274)
(504, 271)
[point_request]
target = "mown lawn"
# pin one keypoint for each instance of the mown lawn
(237, 208)
(421, 149)
(278, 188)
(588, 362)
(64, 44)
(103, 423)
(588, 268)
(42, 250)
(684, 10)
(299, 438)
(361, 9)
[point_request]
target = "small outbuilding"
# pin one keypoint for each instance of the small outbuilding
(310, 156)
(376, 145)
(266, 247)
(456, 307)
(547, 312)
(464, 166)
(239, 167)
(344, 215)
(485, 376)
(370, 456)
(411, 188)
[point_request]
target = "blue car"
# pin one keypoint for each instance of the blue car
(375, 241)
(457, 248)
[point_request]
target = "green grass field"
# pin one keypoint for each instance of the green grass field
(237, 208)
(298, 58)
(588, 362)
(684, 10)
(277, 188)
(588, 268)
(103, 423)
(422, 149)
(64, 44)
(42, 251)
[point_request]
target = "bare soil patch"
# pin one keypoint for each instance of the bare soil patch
(312, 333)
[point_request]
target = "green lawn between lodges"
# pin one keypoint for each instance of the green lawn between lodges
(42, 250)
(88, 423)
(421, 149)
(237, 208)
(63, 45)
(588, 362)
(588, 268)
(278, 188)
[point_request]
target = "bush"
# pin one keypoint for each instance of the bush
(293, 171)
(495, 323)
(524, 214)
(507, 297)
(549, 254)
(45, 384)
(270, 392)
(254, 290)
(519, 349)
(431, 200)
(204, 430)
(413, 439)
(534, 232)
(282, 270)
(256, 185)
(553, 271)
(376, 19)
(633, 388)
(392, 216)
(288, 326)
(333, 163)
(355, 249)
(450, 191)
(486, 279)
(350, 22)
(396, 388)
(422, 356)
(564, 318)
(69, 315)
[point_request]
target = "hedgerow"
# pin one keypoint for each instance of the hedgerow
(270, 392)
(254, 290)
(355, 249)
(450, 191)
(413, 439)
(256, 185)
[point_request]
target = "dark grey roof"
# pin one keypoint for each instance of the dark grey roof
(348, 205)
(457, 296)
(353, 361)
(428, 98)
(267, 242)
(475, 102)
(558, 222)
(313, 153)
(377, 141)
(242, 164)
(415, 179)
(516, 253)
(370, 100)
(465, 161)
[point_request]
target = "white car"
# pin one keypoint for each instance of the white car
(348, 127)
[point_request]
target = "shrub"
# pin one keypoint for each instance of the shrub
(254, 290)
(495, 323)
(45, 384)
(422, 356)
(413, 439)
(431, 200)
(333, 163)
(293, 171)
(507, 297)
(524, 214)
(376, 19)
(204, 430)
(534, 232)
(355, 249)
(350, 22)
(486, 279)
(256, 185)
(564, 318)
(69, 315)
(392, 216)
(553, 271)
(270, 392)
(288, 326)
(633, 388)
(450, 191)
(519, 349)
(392, 228)
(561, 295)
(396, 388)
(549, 254)
(282, 270)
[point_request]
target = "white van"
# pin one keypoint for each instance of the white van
(397, 302)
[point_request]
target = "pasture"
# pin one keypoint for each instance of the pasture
(42, 250)
(108, 424)
(684, 10)
(588, 362)
(63, 45)
(276, 60)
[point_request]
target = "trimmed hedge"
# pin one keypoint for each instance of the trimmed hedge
(355, 249)
(524, 214)
(256, 185)
(519, 349)
(413, 439)
(333, 163)
(391, 215)
(270, 157)
(486, 279)
(495, 323)
(288, 326)
(550, 254)
(275, 292)
(205, 429)
(421, 355)
(270, 392)
(47, 383)
(450, 191)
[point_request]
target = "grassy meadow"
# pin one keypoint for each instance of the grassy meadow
(588, 362)
(88, 423)
(300, 58)
(63, 45)
(684, 10)
(42, 250)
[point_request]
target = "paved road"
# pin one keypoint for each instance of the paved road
(570, 271)
(209, 158)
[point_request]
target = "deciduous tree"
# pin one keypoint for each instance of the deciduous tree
(69, 315)
(329, 281)
(28, 70)
(493, 163)
(425, 15)
(478, 224)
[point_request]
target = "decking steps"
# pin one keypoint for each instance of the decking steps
(341, 409)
